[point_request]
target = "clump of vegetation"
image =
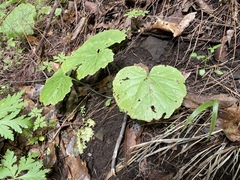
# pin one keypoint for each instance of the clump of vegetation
(205, 59)
(26, 168)
(141, 94)
(10, 122)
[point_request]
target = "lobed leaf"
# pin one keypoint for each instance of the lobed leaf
(93, 54)
(27, 168)
(146, 96)
(9, 109)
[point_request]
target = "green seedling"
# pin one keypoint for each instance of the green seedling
(135, 13)
(60, 58)
(93, 55)
(214, 104)
(46, 66)
(205, 59)
(84, 134)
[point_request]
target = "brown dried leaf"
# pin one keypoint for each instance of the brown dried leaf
(55, 66)
(91, 6)
(77, 168)
(204, 6)
(185, 22)
(167, 26)
(173, 27)
(221, 53)
(192, 100)
(229, 121)
(132, 138)
(32, 40)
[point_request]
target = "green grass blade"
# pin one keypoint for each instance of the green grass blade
(197, 111)
(214, 116)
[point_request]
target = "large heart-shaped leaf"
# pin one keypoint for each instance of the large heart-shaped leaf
(56, 88)
(93, 54)
(147, 96)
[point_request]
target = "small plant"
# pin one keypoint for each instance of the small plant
(85, 134)
(214, 104)
(60, 58)
(135, 13)
(20, 21)
(27, 168)
(10, 107)
(141, 94)
(93, 55)
(11, 121)
(205, 58)
(46, 66)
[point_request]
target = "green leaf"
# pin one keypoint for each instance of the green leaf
(212, 49)
(20, 21)
(9, 109)
(93, 54)
(27, 168)
(202, 72)
(197, 111)
(146, 96)
(218, 72)
(9, 169)
(56, 88)
(214, 116)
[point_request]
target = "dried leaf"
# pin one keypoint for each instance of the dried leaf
(55, 66)
(194, 100)
(77, 168)
(50, 158)
(91, 6)
(229, 121)
(32, 40)
(221, 53)
(230, 33)
(132, 138)
(204, 6)
(185, 22)
(173, 27)
(166, 26)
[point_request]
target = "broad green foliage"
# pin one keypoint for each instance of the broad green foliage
(20, 21)
(9, 109)
(55, 88)
(146, 96)
(94, 54)
(26, 169)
